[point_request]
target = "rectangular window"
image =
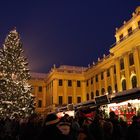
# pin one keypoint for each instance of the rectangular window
(39, 103)
(60, 82)
(114, 69)
(40, 88)
(96, 78)
(108, 72)
(69, 83)
(78, 84)
(69, 99)
(131, 59)
(92, 95)
(121, 37)
(130, 31)
(60, 100)
(97, 92)
(121, 64)
(78, 99)
(87, 96)
(102, 75)
(87, 83)
(91, 81)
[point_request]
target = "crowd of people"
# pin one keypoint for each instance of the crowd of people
(70, 128)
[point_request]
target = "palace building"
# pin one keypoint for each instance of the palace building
(116, 72)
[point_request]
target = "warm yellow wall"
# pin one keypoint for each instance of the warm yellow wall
(36, 83)
(120, 50)
(65, 90)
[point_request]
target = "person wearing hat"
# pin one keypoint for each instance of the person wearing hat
(50, 129)
(53, 129)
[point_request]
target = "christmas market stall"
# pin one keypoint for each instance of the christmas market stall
(126, 104)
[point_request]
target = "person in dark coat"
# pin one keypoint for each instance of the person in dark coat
(53, 129)
(96, 128)
(133, 132)
(117, 133)
(49, 128)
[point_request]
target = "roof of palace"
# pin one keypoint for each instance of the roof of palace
(71, 68)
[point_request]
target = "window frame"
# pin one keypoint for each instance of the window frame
(69, 99)
(78, 83)
(121, 64)
(131, 59)
(60, 100)
(60, 82)
(40, 88)
(69, 83)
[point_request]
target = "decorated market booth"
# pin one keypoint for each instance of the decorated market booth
(126, 104)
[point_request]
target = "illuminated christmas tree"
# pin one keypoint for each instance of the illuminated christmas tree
(15, 91)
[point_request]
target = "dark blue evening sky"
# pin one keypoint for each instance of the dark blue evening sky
(68, 32)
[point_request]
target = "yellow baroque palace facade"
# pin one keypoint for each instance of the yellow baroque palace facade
(118, 71)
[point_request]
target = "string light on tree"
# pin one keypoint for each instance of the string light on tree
(16, 97)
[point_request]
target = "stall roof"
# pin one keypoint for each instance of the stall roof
(86, 104)
(126, 95)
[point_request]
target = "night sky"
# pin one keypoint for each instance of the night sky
(64, 32)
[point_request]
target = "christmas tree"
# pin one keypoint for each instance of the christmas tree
(15, 91)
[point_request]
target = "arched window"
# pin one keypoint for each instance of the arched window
(123, 84)
(109, 89)
(103, 91)
(87, 96)
(97, 92)
(134, 81)
(92, 95)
